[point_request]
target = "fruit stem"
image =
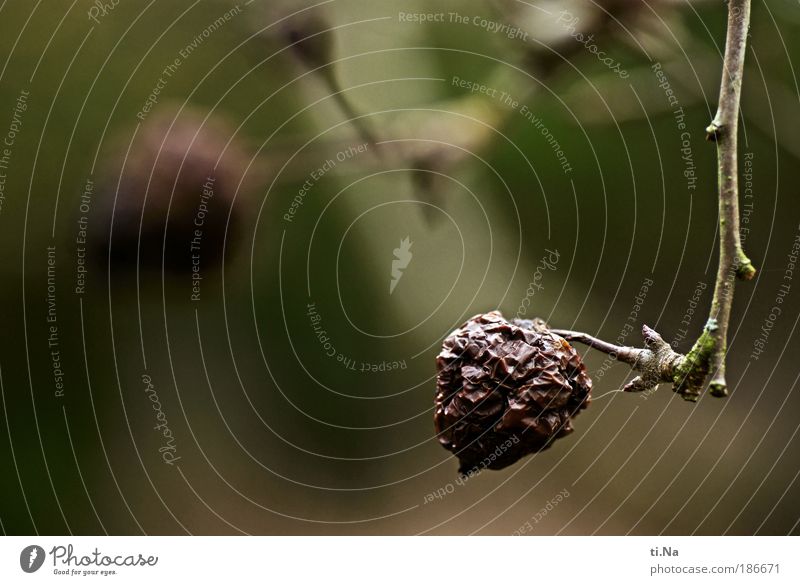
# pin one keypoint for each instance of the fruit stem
(656, 362)
(707, 357)
(628, 355)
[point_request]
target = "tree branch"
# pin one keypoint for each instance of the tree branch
(724, 130)
(657, 362)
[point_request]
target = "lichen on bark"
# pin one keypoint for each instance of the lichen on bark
(692, 371)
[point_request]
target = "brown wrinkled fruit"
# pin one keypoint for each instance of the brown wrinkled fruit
(506, 390)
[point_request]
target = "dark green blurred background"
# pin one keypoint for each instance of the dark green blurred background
(275, 436)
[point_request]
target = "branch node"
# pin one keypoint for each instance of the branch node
(638, 384)
(744, 267)
(714, 131)
(718, 388)
(691, 372)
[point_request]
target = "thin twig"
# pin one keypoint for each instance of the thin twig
(628, 355)
(656, 362)
(707, 357)
(724, 131)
